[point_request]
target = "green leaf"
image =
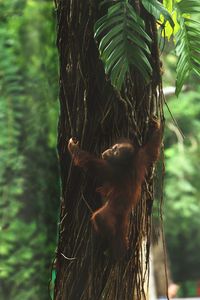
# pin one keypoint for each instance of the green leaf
(156, 9)
(187, 42)
(102, 3)
(188, 7)
(123, 43)
(109, 37)
(107, 23)
(111, 47)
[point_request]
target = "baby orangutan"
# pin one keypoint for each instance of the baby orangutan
(122, 168)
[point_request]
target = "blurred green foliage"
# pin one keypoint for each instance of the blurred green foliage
(29, 184)
(182, 189)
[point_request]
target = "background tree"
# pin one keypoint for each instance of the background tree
(29, 186)
(182, 187)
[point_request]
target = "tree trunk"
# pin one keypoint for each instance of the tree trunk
(93, 111)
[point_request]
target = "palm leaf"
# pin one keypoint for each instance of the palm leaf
(156, 9)
(187, 41)
(123, 43)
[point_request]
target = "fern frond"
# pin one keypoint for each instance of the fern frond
(187, 41)
(123, 43)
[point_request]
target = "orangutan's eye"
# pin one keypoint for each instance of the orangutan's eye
(116, 152)
(114, 148)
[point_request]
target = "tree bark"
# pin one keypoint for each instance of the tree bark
(93, 111)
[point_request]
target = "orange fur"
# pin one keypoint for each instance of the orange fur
(123, 168)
